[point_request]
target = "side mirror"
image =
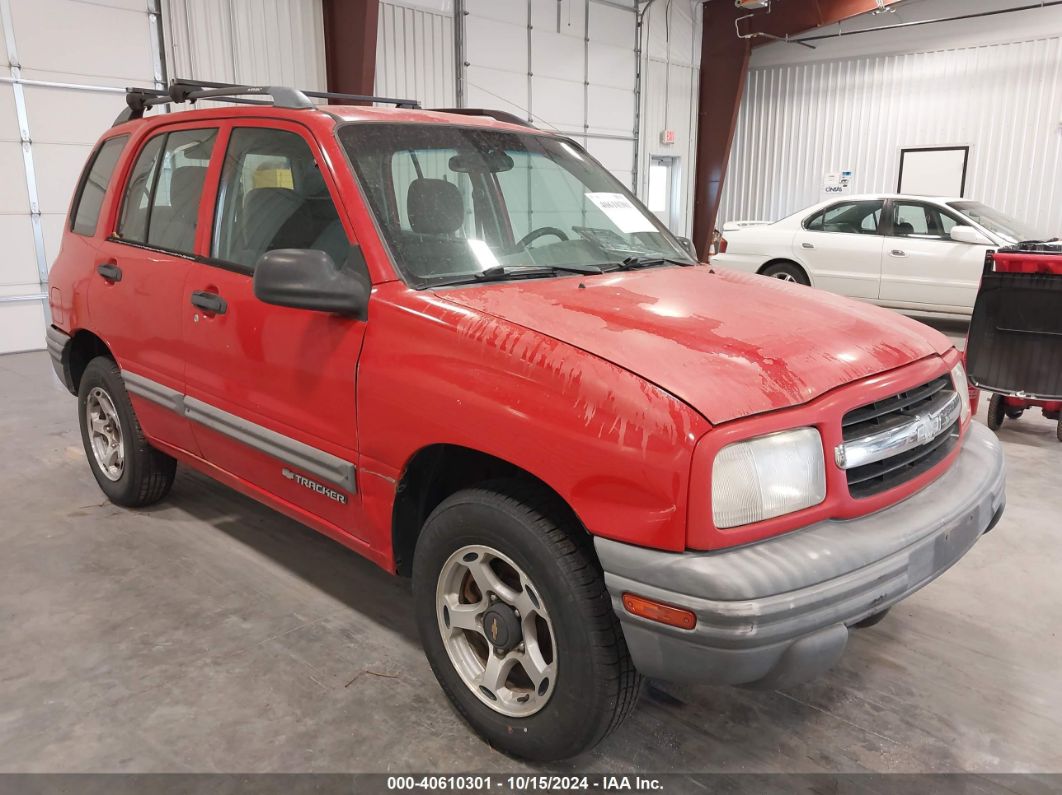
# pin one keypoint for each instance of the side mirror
(690, 248)
(305, 278)
(967, 234)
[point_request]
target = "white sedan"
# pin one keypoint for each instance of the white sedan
(905, 252)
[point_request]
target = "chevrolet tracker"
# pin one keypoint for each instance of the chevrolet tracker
(459, 346)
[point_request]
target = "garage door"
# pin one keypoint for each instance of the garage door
(567, 65)
(61, 89)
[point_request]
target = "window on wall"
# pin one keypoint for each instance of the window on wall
(162, 199)
(94, 184)
(272, 195)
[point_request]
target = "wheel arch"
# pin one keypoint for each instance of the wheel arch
(83, 347)
(435, 472)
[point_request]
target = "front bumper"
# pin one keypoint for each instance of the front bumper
(777, 613)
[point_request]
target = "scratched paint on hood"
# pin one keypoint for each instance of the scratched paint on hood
(728, 344)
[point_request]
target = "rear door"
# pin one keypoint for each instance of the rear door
(138, 277)
(271, 390)
(922, 265)
(842, 246)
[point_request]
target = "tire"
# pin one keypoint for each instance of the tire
(787, 272)
(128, 470)
(592, 684)
(996, 412)
(1013, 414)
(1058, 429)
(871, 620)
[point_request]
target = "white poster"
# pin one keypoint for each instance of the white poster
(836, 183)
(621, 212)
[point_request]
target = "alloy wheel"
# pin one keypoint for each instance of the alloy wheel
(105, 434)
(496, 630)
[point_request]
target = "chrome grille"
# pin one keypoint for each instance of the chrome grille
(891, 441)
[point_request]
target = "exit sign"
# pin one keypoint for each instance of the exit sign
(667, 137)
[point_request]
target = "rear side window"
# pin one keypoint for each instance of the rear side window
(162, 198)
(93, 187)
(853, 218)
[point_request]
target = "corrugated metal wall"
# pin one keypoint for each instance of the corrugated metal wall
(799, 122)
(279, 42)
(415, 54)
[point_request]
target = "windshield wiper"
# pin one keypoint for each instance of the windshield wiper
(497, 272)
(631, 263)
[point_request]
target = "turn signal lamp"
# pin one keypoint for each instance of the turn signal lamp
(659, 612)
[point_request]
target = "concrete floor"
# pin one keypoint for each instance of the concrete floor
(210, 634)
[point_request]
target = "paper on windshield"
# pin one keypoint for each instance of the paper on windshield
(622, 212)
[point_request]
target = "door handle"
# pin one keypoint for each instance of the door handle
(109, 271)
(898, 252)
(209, 302)
(808, 245)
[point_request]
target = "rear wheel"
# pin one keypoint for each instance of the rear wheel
(517, 624)
(787, 272)
(128, 470)
(996, 412)
(1058, 429)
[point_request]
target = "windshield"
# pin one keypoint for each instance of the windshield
(456, 204)
(1010, 229)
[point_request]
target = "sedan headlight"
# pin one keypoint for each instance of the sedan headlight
(958, 377)
(768, 476)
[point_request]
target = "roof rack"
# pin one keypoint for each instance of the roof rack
(499, 115)
(183, 90)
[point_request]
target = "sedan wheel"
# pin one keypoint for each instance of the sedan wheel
(787, 272)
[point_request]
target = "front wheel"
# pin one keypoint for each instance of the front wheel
(996, 412)
(517, 624)
(128, 470)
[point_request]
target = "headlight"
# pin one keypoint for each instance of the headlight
(768, 476)
(958, 377)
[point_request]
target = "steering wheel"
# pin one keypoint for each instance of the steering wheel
(542, 231)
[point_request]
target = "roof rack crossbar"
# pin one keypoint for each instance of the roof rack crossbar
(401, 103)
(182, 90)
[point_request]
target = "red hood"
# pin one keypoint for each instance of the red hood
(729, 344)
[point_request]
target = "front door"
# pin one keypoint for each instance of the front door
(136, 290)
(842, 246)
(271, 390)
(922, 265)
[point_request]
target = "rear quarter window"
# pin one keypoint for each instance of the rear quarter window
(88, 200)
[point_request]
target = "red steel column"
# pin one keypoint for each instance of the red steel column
(350, 45)
(724, 67)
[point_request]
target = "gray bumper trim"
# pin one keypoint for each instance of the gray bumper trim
(56, 342)
(777, 612)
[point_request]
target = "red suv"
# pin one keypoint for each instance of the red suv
(459, 346)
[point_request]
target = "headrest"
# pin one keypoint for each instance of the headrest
(435, 206)
(186, 182)
(904, 228)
